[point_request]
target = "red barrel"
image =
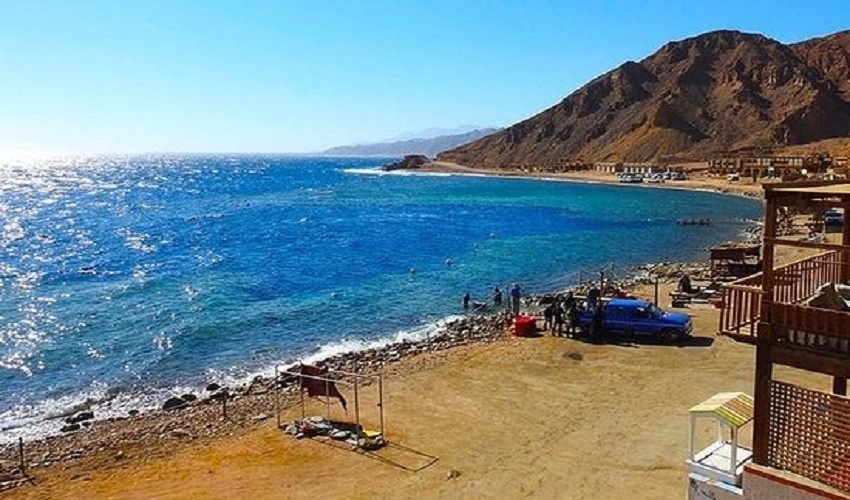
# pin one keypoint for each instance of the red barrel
(524, 326)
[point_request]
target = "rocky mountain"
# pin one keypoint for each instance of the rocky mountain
(723, 92)
(428, 147)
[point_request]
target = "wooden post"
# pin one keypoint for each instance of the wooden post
(357, 426)
(381, 402)
(845, 240)
(21, 455)
(327, 397)
(764, 340)
(277, 395)
(656, 291)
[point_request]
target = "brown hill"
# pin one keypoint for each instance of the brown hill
(719, 92)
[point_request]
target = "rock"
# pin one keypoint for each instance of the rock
(212, 387)
(173, 403)
(181, 433)
(119, 455)
(80, 417)
(189, 398)
(452, 474)
(70, 428)
(260, 417)
(133, 413)
(408, 162)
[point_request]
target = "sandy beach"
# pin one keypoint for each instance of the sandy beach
(697, 180)
(495, 417)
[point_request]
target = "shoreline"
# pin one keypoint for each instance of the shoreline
(119, 441)
(203, 418)
(440, 326)
(701, 183)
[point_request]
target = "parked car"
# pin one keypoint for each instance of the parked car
(640, 317)
(656, 179)
(678, 176)
(833, 217)
(631, 178)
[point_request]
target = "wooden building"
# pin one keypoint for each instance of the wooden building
(734, 261)
(771, 166)
(802, 432)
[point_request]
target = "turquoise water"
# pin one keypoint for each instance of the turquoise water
(125, 279)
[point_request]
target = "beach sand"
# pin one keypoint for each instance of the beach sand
(544, 417)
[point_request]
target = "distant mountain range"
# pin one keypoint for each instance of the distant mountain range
(429, 146)
(720, 93)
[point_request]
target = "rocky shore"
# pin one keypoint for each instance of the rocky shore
(221, 411)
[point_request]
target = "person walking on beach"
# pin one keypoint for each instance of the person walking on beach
(593, 296)
(572, 318)
(558, 319)
(516, 294)
(598, 321)
(549, 316)
(568, 306)
(497, 297)
(466, 299)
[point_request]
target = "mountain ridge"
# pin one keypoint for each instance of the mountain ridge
(722, 92)
(423, 146)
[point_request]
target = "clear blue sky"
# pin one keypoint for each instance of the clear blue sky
(294, 76)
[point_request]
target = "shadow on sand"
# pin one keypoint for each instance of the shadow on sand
(392, 453)
(635, 341)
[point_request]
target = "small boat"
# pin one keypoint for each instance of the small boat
(693, 222)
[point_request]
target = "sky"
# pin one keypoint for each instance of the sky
(134, 76)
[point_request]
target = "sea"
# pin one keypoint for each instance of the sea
(128, 279)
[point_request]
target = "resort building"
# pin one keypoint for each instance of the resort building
(771, 166)
(797, 315)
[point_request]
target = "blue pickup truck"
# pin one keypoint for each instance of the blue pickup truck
(640, 317)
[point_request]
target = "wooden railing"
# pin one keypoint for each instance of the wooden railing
(793, 283)
(823, 330)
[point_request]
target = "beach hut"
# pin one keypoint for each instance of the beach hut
(724, 459)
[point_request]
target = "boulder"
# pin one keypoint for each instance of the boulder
(174, 403)
(80, 417)
(408, 162)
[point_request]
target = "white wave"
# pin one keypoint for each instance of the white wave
(46, 418)
(336, 348)
(402, 173)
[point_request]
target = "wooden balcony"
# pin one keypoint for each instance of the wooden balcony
(792, 321)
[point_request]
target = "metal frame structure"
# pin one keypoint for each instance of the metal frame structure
(358, 380)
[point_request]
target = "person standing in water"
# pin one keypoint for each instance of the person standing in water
(516, 294)
(466, 299)
(497, 297)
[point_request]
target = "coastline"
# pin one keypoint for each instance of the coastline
(700, 183)
(162, 434)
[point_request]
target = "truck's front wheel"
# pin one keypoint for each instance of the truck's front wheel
(669, 335)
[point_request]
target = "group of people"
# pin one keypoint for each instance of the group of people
(561, 316)
(514, 299)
